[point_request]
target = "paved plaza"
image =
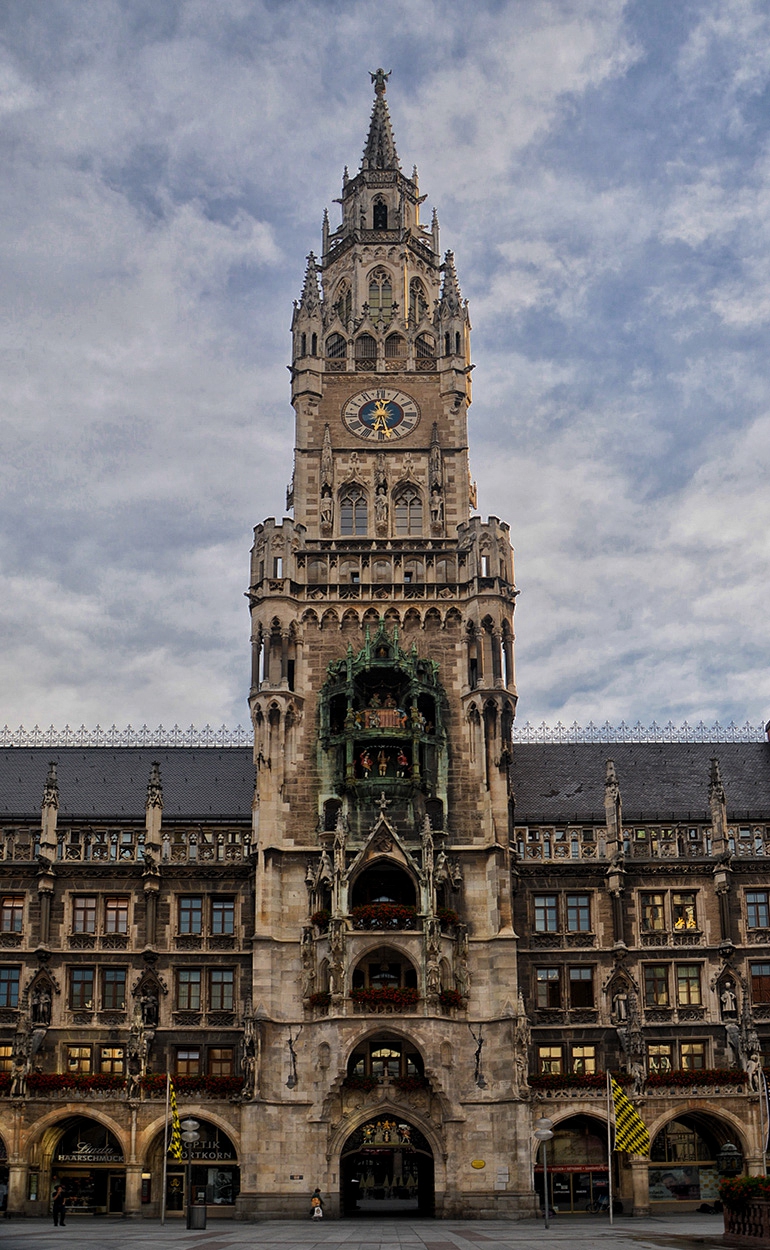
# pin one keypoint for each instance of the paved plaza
(679, 1232)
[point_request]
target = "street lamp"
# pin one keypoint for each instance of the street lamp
(544, 1133)
(189, 1135)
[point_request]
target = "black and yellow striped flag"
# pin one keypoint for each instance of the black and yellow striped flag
(630, 1130)
(175, 1145)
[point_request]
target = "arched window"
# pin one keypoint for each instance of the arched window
(343, 303)
(408, 510)
(425, 346)
(366, 347)
(380, 215)
(303, 344)
(447, 348)
(353, 511)
(457, 343)
(381, 571)
(418, 304)
(380, 296)
(335, 346)
(314, 345)
(395, 345)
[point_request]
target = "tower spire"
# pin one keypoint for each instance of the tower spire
(380, 150)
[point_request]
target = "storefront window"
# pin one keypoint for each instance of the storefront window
(683, 1167)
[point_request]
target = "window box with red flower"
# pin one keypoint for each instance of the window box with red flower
(386, 996)
(384, 916)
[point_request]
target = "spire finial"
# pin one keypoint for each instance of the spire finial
(380, 150)
(380, 80)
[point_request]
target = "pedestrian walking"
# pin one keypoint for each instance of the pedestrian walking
(59, 1206)
(316, 1205)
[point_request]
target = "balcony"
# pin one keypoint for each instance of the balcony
(384, 1000)
(99, 1085)
(384, 917)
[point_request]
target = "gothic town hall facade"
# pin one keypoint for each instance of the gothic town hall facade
(376, 950)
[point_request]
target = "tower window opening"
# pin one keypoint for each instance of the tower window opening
(353, 513)
(278, 566)
(366, 348)
(395, 345)
(303, 344)
(408, 512)
(485, 566)
(314, 345)
(425, 346)
(457, 343)
(343, 304)
(447, 342)
(418, 304)
(380, 215)
(380, 296)
(335, 346)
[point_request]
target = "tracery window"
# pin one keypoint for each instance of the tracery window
(353, 512)
(380, 215)
(343, 303)
(418, 304)
(380, 296)
(408, 511)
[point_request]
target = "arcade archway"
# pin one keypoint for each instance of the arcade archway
(683, 1159)
(87, 1159)
(386, 1169)
(578, 1175)
(214, 1173)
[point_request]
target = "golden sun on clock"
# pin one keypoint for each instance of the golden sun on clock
(381, 414)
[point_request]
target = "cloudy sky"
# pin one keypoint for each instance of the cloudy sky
(601, 169)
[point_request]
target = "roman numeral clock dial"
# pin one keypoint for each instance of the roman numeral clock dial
(381, 414)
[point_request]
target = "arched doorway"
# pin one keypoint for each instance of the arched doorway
(215, 1176)
(578, 1176)
(386, 1169)
(683, 1167)
(87, 1159)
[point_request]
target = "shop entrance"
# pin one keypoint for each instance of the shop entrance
(214, 1173)
(683, 1166)
(386, 1169)
(578, 1175)
(88, 1161)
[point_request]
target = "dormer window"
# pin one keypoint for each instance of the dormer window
(380, 215)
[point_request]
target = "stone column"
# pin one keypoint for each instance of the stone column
(18, 1173)
(640, 1184)
(132, 1207)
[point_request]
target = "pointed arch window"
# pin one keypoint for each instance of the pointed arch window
(380, 296)
(343, 303)
(353, 512)
(335, 346)
(408, 511)
(418, 303)
(425, 345)
(395, 345)
(380, 215)
(366, 347)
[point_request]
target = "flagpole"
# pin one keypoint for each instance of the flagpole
(609, 1143)
(165, 1155)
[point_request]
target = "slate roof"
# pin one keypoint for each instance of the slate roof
(552, 782)
(556, 782)
(199, 783)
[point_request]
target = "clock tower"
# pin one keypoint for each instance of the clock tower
(383, 692)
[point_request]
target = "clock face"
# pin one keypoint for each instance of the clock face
(381, 414)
